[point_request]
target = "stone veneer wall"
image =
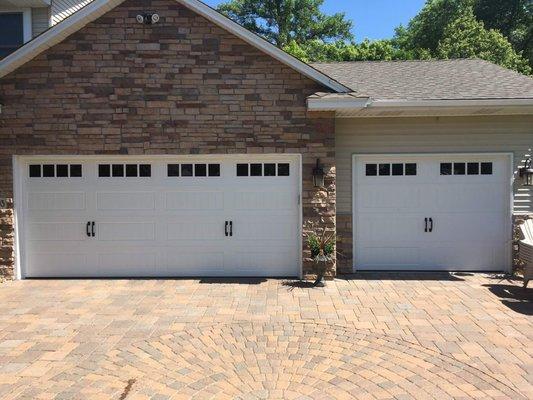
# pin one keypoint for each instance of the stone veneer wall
(182, 86)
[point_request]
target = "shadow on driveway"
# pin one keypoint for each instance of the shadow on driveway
(517, 298)
(405, 276)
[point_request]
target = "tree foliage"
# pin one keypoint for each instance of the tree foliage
(500, 31)
(283, 21)
(466, 37)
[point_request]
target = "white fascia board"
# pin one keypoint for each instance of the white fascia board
(263, 45)
(336, 104)
(453, 103)
(56, 34)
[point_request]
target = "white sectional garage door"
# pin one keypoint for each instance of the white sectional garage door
(432, 212)
(161, 216)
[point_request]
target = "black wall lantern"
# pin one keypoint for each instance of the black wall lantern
(526, 173)
(318, 174)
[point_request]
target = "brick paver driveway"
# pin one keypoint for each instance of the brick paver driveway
(368, 337)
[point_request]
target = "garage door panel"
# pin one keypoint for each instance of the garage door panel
(471, 198)
(128, 263)
(268, 228)
(42, 201)
(480, 256)
(380, 257)
(271, 262)
(388, 196)
(194, 200)
(125, 201)
(469, 227)
(56, 231)
(260, 200)
(195, 229)
(125, 231)
(194, 261)
(48, 264)
(389, 227)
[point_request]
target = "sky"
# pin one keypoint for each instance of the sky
(373, 19)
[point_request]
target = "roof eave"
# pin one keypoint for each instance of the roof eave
(354, 105)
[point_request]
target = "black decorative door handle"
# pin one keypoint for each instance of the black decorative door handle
(87, 229)
(226, 228)
(231, 228)
(92, 228)
(431, 224)
(426, 224)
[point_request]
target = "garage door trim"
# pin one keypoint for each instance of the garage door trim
(510, 163)
(19, 175)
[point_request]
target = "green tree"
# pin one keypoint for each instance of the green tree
(513, 18)
(284, 21)
(376, 50)
(467, 37)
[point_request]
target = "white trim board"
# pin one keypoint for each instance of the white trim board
(97, 8)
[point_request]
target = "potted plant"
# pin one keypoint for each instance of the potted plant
(321, 241)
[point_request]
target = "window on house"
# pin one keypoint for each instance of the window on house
(11, 32)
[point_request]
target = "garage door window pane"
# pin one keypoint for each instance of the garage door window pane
(256, 169)
(131, 170)
(486, 168)
(371, 169)
(242, 169)
(104, 170)
(200, 170)
(186, 169)
(397, 169)
(75, 170)
(48, 170)
(145, 170)
(410, 169)
(270, 169)
(62, 170)
(384, 169)
(283, 169)
(445, 168)
(459, 168)
(35, 171)
(118, 170)
(214, 169)
(473, 168)
(173, 170)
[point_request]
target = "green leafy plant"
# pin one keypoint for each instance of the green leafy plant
(321, 242)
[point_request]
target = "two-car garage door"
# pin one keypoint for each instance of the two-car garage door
(160, 216)
(432, 212)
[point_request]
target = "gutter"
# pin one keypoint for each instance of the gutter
(351, 103)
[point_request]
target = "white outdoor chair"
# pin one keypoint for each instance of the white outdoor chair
(525, 247)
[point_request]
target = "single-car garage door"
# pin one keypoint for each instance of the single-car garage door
(159, 216)
(432, 212)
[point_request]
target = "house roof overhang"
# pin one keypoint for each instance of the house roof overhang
(352, 105)
(97, 8)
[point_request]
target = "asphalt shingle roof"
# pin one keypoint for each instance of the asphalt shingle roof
(430, 80)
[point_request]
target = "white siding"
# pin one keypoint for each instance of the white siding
(40, 19)
(431, 135)
(61, 9)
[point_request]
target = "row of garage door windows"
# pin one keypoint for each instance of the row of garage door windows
(409, 169)
(145, 170)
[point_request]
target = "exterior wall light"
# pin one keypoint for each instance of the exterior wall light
(526, 173)
(318, 175)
